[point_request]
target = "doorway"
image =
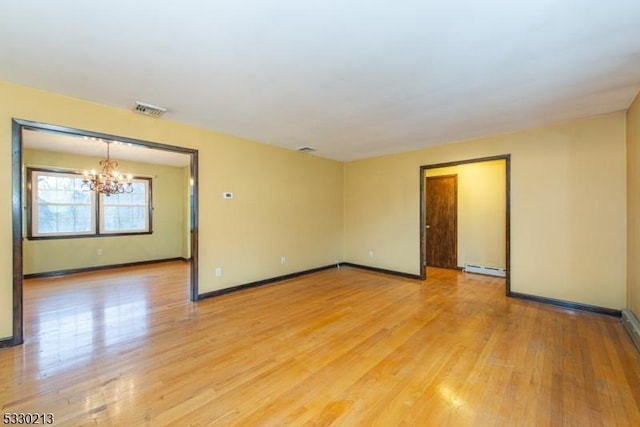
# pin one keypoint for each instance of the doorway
(19, 128)
(482, 228)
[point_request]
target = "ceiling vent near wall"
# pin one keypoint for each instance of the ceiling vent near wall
(148, 109)
(307, 149)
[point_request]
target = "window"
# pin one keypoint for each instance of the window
(59, 207)
(128, 212)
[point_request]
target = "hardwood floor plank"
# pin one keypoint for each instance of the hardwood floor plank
(340, 347)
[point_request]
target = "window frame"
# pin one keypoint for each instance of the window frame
(96, 212)
(148, 215)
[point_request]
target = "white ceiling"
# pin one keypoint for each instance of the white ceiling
(118, 150)
(353, 78)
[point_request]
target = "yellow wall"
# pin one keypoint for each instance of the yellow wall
(568, 234)
(568, 231)
(286, 203)
(481, 211)
(167, 240)
(633, 207)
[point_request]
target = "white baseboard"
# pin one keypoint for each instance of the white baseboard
(482, 269)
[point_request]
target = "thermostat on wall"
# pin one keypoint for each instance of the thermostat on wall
(227, 195)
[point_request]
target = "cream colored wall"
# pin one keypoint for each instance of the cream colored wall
(633, 207)
(568, 234)
(286, 203)
(481, 211)
(166, 241)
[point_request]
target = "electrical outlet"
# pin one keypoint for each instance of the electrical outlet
(99, 252)
(283, 260)
(370, 254)
(218, 271)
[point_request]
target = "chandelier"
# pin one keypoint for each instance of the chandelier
(109, 181)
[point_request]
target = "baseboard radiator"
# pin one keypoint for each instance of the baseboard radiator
(632, 325)
(483, 269)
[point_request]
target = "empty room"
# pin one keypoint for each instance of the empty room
(349, 213)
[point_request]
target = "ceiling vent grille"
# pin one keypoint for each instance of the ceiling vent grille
(148, 109)
(307, 149)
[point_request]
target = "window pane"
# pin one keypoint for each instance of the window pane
(66, 219)
(124, 218)
(56, 189)
(81, 196)
(46, 219)
(126, 212)
(137, 197)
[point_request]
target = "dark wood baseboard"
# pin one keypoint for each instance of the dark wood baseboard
(100, 267)
(567, 304)
(382, 270)
(632, 326)
(263, 282)
(8, 342)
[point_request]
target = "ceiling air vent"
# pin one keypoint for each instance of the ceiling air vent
(307, 149)
(148, 109)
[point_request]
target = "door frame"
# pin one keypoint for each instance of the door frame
(455, 219)
(17, 125)
(423, 169)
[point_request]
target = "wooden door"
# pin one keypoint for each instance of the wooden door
(441, 196)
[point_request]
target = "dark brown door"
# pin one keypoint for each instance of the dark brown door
(442, 221)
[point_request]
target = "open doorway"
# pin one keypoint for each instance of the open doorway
(464, 217)
(23, 129)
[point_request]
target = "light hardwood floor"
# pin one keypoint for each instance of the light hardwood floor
(342, 347)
